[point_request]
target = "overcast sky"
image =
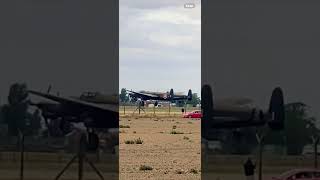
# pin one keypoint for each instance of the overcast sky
(160, 45)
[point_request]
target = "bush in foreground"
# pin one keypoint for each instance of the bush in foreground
(145, 168)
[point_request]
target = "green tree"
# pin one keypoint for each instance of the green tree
(123, 96)
(195, 100)
(298, 127)
(16, 110)
(180, 103)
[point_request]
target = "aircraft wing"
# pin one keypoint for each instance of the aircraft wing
(145, 95)
(73, 101)
(235, 102)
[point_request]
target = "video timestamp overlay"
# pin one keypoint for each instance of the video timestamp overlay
(59, 90)
(259, 91)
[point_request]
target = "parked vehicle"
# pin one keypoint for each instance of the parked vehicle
(299, 174)
(193, 114)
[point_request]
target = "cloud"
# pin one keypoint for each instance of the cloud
(160, 45)
(147, 4)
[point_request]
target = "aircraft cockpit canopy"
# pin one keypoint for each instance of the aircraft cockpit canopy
(88, 95)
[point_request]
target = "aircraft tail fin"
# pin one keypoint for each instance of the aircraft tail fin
(276, 110)
(171, 94)
(189, 95)
(207, 108)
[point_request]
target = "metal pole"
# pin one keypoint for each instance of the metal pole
(65, 168)
(260, 142)
(94, 168)
(21, 155)
(185, 111)
(81, 154)
(315, 142)
(80, 167)
(316, 156)
(260, 160)
(139, 108)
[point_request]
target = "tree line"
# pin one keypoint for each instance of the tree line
(15, 114)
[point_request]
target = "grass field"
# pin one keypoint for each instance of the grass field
(170, 147)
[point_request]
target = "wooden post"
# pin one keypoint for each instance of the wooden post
(139, 108)
(21, 155)
(316, 155)
(315, 141)
(260, 161)
(81, 154)
(260, 142)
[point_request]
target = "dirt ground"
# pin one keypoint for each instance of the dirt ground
(160, 147)
(171, 147)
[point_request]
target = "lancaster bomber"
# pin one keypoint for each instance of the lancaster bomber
(159, 96)
(82, 109)
(218, 116)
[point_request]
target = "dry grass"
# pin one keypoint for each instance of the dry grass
(145, 168)
(162, 151)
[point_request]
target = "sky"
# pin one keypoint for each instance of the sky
(160, 45)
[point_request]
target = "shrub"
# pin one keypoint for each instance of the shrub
(129, 142)
(193, 171)
(138, 141)
(185, 138)
(179, 171)
(145, 168)
(176, 132)
(124, 126)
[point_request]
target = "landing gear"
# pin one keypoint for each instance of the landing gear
(65, 126)
(140, 106)
(93, 141)
(141, 103)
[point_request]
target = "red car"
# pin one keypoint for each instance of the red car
(193, 114)
(301, 174)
